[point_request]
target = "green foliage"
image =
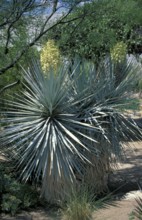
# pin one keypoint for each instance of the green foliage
(16, 21)
(13, 75)
(79, 205)
(133, 104)
(132, 216)
(23, 23)
(106, 23)
(82, 202)
(10, 204)
(16, 196)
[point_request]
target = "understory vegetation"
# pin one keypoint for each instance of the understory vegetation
(16, 196)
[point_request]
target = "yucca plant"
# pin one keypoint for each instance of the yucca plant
(66, 128)
(138, 209)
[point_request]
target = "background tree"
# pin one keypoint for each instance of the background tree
(108, 22)
(22, 24)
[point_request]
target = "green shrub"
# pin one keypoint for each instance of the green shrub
(132, 216)
(10, 204)
(16, 196)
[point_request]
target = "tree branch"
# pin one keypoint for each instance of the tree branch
(54, 6)
(42, 31)
(27, 5)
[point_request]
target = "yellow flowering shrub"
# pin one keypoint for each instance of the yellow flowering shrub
(50, 56)
(118, 52)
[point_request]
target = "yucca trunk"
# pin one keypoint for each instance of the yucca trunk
(96, 176)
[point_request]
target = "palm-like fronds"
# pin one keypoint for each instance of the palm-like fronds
(62, 122)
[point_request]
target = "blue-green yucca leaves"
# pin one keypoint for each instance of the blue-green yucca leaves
(58, 124)
(43, 127)
(105, 82)
(102, 97)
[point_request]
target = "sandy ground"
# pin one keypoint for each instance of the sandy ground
(129, 175)
(121, 211)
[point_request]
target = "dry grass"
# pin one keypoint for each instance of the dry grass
(79, 205)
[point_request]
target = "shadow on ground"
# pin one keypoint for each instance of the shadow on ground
(128, 176)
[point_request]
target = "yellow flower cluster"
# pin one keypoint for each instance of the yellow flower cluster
(50, 56)
(118, 52)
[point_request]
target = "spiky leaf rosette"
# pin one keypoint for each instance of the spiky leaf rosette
(56, 127)
(43, 129)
